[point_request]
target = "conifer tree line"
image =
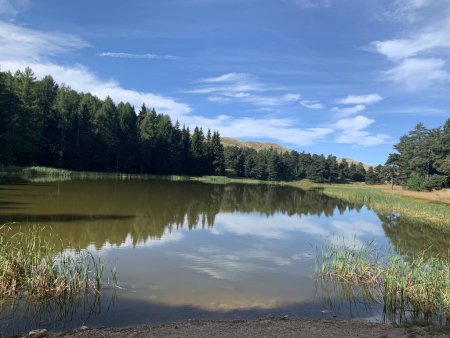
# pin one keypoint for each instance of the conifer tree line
(272, 165)
(43, 123)
(422, 160)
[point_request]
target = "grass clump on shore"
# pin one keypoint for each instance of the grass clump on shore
(412, 288)
(30, 266)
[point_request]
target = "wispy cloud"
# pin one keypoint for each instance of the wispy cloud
(353, 131)
(349, 110)
(21, 47)
(361, 99)
(407, 10)
(418, 73)
(123, 55)
(313, 3)
(430, 40)
(21, 43)
(315, 105)
(359, 103)
(419, 56)
(243, 88)
(10, 8)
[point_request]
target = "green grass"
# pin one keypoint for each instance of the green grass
(412, 288)
(31, 267)
(428, 213)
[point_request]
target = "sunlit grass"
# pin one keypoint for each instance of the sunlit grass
(416, 287)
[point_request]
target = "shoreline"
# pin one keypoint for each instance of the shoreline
(266, 327)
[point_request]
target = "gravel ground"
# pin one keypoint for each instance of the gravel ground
(273, 327)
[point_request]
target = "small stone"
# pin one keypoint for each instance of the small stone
(83, 328)
(38, 333)
(285, 317)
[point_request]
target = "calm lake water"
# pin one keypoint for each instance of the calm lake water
(192, 250)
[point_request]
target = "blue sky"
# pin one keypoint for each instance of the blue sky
(345, 77)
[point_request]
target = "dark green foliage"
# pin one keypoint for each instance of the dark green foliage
(274, 166)
(435, 182)
(423, 159)
(42, 123)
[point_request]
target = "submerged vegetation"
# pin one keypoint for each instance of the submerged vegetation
(410, 289)
(31, 266)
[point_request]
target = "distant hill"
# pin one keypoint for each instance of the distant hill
(232, 142)
(350, 161)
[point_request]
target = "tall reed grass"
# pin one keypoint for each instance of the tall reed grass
(31, 266)
(408, 288)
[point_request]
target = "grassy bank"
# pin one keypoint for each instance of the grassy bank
(428, 213)
(31, 267)
(409, 289)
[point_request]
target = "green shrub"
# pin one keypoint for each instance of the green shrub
(416, 182)
(435, 182)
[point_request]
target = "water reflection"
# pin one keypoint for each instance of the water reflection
(409, 238)
(186, 249)
(112, 212)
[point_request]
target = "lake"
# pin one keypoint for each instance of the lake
(193, 250)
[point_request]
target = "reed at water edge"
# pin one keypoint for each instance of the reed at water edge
(31, 266)
(408, 287)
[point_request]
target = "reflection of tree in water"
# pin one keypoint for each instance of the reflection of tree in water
(413, 238)
(84, 213)
(268, 200)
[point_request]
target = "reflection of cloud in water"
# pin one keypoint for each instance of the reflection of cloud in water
(351, 232)
(220, 264)
(277, 227)
(302, 256)
(281, 227)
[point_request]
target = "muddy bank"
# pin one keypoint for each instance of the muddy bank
(273, 327)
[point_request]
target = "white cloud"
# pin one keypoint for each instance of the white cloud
(20, 43)
(434, 39)
(352, 131)
(349, 110)
(21, 47)
(419, 55)
(408, 10)
(280, 130)
(315, 105)
(356, 123)
(361, 99)
(313, 3)
(124, 55)
(416, 74)
(229, 77)
(242, 88)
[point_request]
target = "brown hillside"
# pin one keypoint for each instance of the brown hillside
(232, 142)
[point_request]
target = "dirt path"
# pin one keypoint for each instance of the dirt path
(299, 328)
